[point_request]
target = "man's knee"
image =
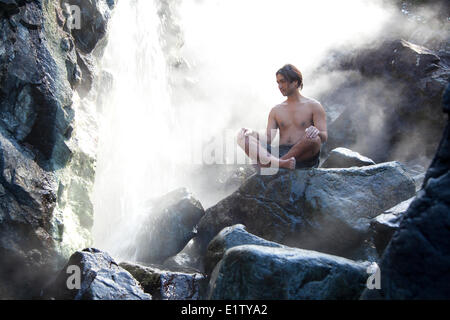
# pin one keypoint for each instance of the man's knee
(240, 137)
(314, 145)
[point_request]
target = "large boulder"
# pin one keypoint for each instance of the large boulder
(395, 113)
(228, 238)
(257, 272)
(165, 284)
(346, 158)
(383, 226)
(191, 256)
(47, 147)
(415, 264)
(101, 278)
(27, 200)
(327, 210)
(169, 226)
(95, 15)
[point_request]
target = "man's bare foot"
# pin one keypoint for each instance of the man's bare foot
(288, 164)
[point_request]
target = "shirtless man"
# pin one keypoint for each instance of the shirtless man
(302, 124)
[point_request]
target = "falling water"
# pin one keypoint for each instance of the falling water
(226, 81)
(134, 159)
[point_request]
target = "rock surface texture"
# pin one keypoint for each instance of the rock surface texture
(389, 103)
(415, 264)
(257, 272)
(168, 227)
(165, 284)
(327, 210)
(47, 155)
(101, 278)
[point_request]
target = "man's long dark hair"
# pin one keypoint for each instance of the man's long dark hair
(291, 74)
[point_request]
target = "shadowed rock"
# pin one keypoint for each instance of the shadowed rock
(101, 279)
(327, 210)
(384, 226)
(167, 284)
(168, 227)
(415, 264)
(257, 272)
(346, 158)
(228, 238)
(392, 93)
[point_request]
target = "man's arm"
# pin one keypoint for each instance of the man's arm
(320, 124)
(272, 127)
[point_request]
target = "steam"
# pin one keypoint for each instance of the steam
(188, 72)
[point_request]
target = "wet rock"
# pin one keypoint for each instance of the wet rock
(228, 238)
(95, 15)
(384, 226)
(167, 285)
(392, 92)
(101, 278)
(257, 272)
(191, 256)
(168, 227)
(346, 158)
(327, 210)
(39, 138)
(415, 263)
(27, 200)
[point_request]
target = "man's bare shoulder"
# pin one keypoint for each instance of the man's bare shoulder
(276, 108)
(315, 104)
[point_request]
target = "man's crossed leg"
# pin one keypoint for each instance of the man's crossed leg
(304, 150)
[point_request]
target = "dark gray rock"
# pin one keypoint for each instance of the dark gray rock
(101, 279)
(38, 72)
(27, 200)
(256, 272)
(384, 226)
(191, 256)
(228, 238)
(346, 158)
(169, 226)
(95, 15)
(327, 210)
(167, 284)
(415, 264)
(8, 7)
(392, 92)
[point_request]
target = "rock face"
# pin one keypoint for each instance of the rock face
(169, 226)
(101, 279)
(47, 155)
(416, 262)
(257, 272)
(395, 113)
(384, 226)
(228, 238)
(327, 210)
(346, 158)
(167, 285)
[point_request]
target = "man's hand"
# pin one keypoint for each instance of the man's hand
(312, 132)
(249, 132)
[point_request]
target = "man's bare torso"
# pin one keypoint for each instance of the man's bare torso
(293, 119)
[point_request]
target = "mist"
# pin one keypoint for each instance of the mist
(188, 74)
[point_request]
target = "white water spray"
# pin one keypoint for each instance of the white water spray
(137, 127)
(234, 49)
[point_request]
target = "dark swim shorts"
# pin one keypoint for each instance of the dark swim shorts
(311, 163)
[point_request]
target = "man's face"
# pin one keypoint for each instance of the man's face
(286, 88)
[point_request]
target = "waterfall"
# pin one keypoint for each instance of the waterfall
(222, 79)
(137, 127)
